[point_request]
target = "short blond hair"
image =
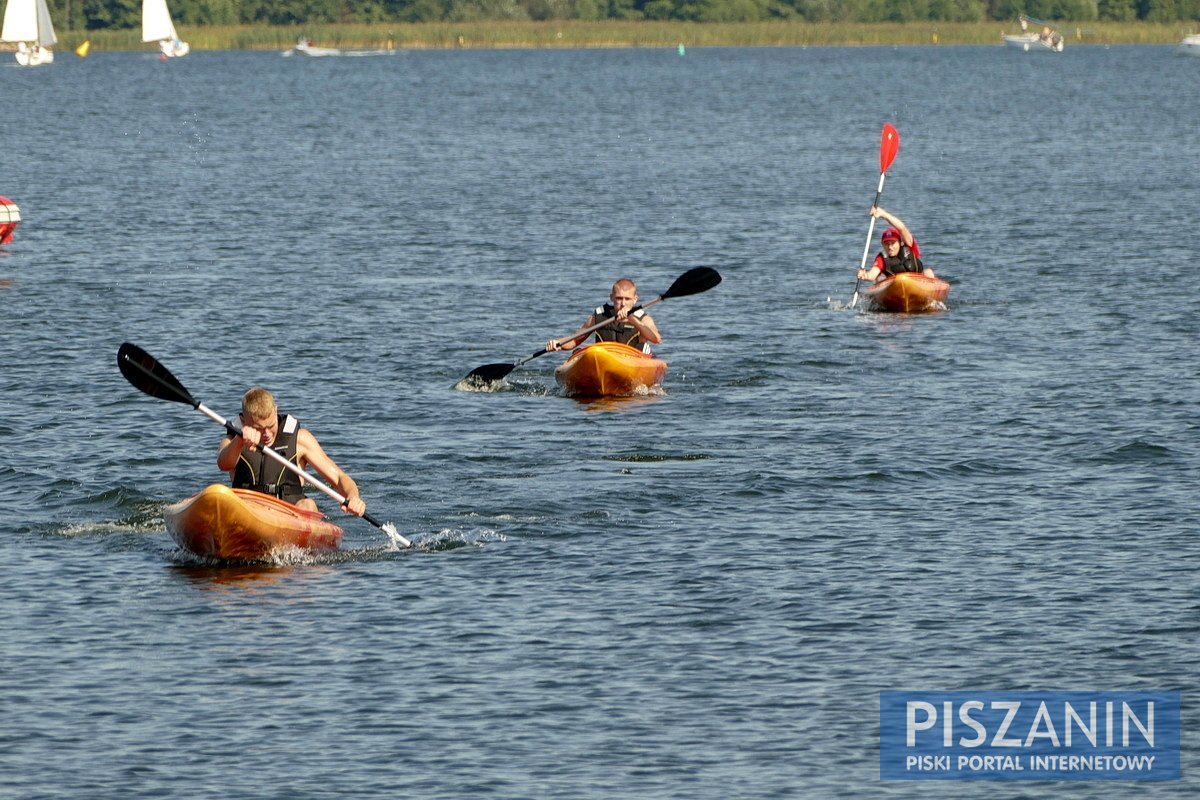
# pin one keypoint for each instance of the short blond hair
(258, 403)
(625, 282)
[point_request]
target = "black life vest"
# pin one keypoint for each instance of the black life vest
(905, 261)
(623, 332)
(256, 470)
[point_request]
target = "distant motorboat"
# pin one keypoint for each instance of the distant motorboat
(305, 47)
(27, 24)
(1031, 41)
(1190, 46)
(1048, 41)
(157, 27)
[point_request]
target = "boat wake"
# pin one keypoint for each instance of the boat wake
(79, 529)
(481, 387)
(449, 539)
(495, 387)
(288, 556)
(279, 557)
(445, 539)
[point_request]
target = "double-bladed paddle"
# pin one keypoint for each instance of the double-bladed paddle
(888, 148)
(694, 281)
(147, 375)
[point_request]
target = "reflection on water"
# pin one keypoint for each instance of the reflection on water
(625, 403)
(213, 576)
(934, 307)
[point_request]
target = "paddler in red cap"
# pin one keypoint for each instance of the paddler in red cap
(900, 250)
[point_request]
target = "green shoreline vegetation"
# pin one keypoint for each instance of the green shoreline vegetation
(568, 34)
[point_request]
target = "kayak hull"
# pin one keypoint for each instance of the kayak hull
(908, 293)
(242, 525)
(609, 369)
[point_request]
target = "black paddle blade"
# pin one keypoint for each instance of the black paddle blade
(146, 374)
(694, 281)
(481, 377)
(488, 374)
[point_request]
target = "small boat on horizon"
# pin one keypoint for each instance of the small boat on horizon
(27, 24)
(305, 47)
(1047, 41)
(158, 27)
(1190, 46)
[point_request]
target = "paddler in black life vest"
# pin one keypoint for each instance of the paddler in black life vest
(250, 468)
(900, 250)
(636, 330)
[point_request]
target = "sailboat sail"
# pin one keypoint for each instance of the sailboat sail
(20, 22)
(156, 22)
(27, 22)
(46, 35)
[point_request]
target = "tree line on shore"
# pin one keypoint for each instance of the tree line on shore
(125, 14)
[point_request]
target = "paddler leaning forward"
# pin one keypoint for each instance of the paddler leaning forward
(250, 468)
(635, 329)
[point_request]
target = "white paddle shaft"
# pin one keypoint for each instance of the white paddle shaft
(871, 227)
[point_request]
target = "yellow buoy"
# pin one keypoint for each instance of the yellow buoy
(84, 48)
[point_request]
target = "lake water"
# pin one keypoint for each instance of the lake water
(693, 595)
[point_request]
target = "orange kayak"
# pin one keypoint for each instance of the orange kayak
(908, 292)
(238, 524)
(606, 369)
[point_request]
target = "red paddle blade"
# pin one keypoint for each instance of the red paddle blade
(889, 146)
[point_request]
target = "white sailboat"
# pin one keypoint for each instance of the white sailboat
(157, 27)
(1190, 46)
(27, 23)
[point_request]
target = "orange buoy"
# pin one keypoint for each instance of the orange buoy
(10, 217)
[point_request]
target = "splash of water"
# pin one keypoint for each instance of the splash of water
(470, 384)
(395, 539)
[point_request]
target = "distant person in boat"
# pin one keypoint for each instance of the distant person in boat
(900, 250)
(636, 330)
(250, 468)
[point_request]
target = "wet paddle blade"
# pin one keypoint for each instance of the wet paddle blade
(147, 375)
(481, 377)
(889, 146)
(694, 281)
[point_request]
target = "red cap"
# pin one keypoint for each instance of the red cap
(890, 233)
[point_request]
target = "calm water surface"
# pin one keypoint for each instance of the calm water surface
(698, 594)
